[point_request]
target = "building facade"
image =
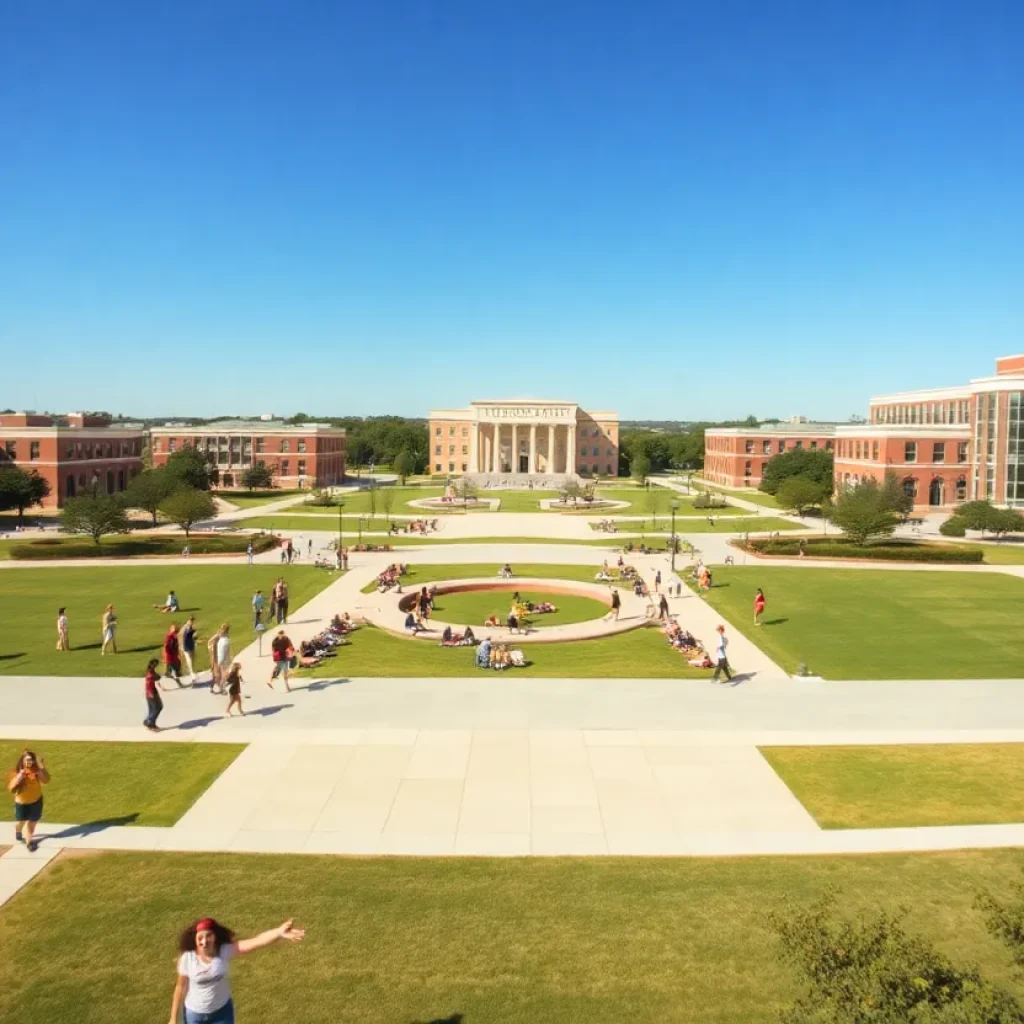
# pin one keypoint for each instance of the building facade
(946, 445)
(299, 456)
(76, 454)
(523, 437)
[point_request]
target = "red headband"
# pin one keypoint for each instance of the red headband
(207, 924)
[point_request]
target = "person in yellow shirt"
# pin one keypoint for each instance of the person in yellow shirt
(26, 783)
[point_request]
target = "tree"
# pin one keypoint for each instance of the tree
(875, 972)
(1006, 520)
(258, 477)
(571, 491)
(405, 465)
(639, 467)
(894, 497)
(189, 465)
(954, 526)
(150, 489)
(977, 515)
(95, 516)
(799, 493)
(815, 464)
(387, 500)
(188, 506)
(466, 490)
(860, 512)
(371, 497)
(21, 489)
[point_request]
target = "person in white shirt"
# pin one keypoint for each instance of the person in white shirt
(62, 631)
(223, 652)
(721, 658)
(207, 947)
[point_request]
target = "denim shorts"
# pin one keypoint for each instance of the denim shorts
(28, 812)
(224, 1015)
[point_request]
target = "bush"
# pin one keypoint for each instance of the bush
(126, 547)
(953, 527)
(708, 500)
(889, 551)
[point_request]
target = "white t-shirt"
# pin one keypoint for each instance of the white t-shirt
(208, 987)
(223, 650)
(723, 642)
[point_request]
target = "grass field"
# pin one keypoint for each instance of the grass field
(127, 546)
(474, 607)
(898, 786)
(359, 502)
(253, 499)
(998, 554)
(748, 494)
(124, 783)
(880, 624)
(640, 653)
(742, 523)
(212, 593)
(476, 940)
(418, 575)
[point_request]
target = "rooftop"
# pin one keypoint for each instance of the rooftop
(245, 426)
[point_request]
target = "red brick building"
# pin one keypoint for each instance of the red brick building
(300, 455)
(735, 456)
(76, 454)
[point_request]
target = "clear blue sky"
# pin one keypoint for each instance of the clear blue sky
(673, 210)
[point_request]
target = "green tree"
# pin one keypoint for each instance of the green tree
(1006, 520)
(257, 477)
(571, 491)
(149, 490)
(21, 489)
(371, 497)
(799, 493)
(894, 497)
(94, 515)
(387, 500)
(188, 506)
(875, 972)
(954, 526)
(190, 466)
(816, 465)
(640, 467)
(404, 465)
(860, 512)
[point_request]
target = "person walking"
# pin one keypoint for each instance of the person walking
(172, 655)
(758, 607)
(344, 559)
(234, 684)
(109, 628)
(282, 602)
(62, 631)
(258, 604)
(310, 547)
(657, 581)
(154, 703)
(663, 608)
(211, 653)
(290, 550)
(282, 651)
(223, 654)
(26, 783)
(249, 551)
(207, 947)
(721, 656)
(188, 646)
(616, 605)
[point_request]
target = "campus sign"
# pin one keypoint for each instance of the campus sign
(511, 413)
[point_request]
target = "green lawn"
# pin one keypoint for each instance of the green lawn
(359, 501)
(880, 624)
(477, 940)
(722, 524)
(128, 546)
(253, 499)
(474, 607)
(213, 593)
(124, 783)
(912, 785)
(747, 493)
(640, 654)
(310, 523)
(421, 574)
(998, 554)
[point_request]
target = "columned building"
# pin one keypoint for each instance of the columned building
(524, 437)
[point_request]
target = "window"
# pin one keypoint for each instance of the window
(939, 453)
(302, 467)
(814, 446)
(260, 446)
(437, 433)
(70, 453)
(799, 444)
(451, 465)
(33, 450)
(597, 433)
(766, 447)
(465, 449)
(856, 450)
(611, 453)
(748, 447)
(437, 465)
(608, 469)
(910, 452)
(451, 449)
(961, 488)
(302, 446)
(910, 487)
(828, 446)
(782, 447)
(465, 432)
(465, 466)
(451, 433)
(937, 491)
(961, 451)
(437, 449)
(285, 446)
(747, 468)
(597, 451)
(597, 469)
(285, 467)
(172, 444)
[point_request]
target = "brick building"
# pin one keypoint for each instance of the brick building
(946, 445)
(75, 454)
(735, 456)
(299, 455)
(523, 438)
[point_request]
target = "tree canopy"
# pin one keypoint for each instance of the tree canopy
(814, 464)
(799, 493)
(21, 489)
(188, 506)
(861, 512)
(190, 467)
(95, 516)
(257, 477)
(149, 489)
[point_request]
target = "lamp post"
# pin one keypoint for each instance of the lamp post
(341, 537)
(675, 505)
(362, 519)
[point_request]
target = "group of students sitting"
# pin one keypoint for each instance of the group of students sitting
(449, 638)
(498, 656)
(312, 652)
(392, 577)
(687, 644)
(413, 526)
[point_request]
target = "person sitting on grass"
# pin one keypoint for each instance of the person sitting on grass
(492, 621)
(513, 622)
(414, 624)
(483, 654)
(170, 605)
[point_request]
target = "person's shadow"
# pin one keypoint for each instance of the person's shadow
(90, 828)
(455, 1018)
(197, 723)
(272, 710)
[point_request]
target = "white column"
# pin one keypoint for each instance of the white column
(497, 448)
(551, 448)
(474, 432)
(514, 461)
(533, 448)
(570, 448)
(487, 450)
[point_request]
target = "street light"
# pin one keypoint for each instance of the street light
(341, 537)
(675, 505)
(362, 519)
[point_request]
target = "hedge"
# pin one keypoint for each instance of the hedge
(889, 551)
(128, 546)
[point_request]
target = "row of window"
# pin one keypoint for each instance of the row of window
(923, 412)
(870, 450)
(80, 449)
(750, 446)
(594, 469)
(111, 483)
(464, 432)
(234, 444)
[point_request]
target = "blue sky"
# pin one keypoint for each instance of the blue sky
(692, 210)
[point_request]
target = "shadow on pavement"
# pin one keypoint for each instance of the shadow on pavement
(321, 684)
(89, 828)
(197, 723)
(272, 710)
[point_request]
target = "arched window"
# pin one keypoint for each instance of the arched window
(961, 488)
(110, 481)
(69, 487)
(937, 491)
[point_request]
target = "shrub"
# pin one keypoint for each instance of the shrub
(955, 526)
(125, 547)
(890, 551)
(708, 500)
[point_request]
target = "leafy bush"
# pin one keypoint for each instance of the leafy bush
(124, 547)
(706, 499)
(955, 526)
(890, 551)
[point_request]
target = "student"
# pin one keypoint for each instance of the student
(172, 654)
(721, 657)
(211, 653)
(663, 608)
(249, 551)
(223, 654)
(188, 645)
(234, 684)
(62, 631)
(109, 630)
(616, 605)
(258, 604)
(26, 783)
(282, 652)
(758, 606)
(207, 947)
(170, 605)
(282, 603)
(154, 704)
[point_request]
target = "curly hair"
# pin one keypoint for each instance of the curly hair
(187, 942)
(21, 760)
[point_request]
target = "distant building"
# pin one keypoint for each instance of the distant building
(76, 454)
(735, 456)
(299, 455)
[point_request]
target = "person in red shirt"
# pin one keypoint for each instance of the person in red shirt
(153, 701)
(172, 655)
(758, 606)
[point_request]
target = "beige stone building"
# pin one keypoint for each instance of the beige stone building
(523, 437)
